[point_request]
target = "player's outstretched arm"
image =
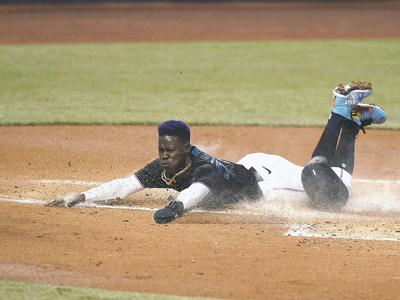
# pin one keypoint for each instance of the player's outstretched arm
(115, 189)
(186, 200)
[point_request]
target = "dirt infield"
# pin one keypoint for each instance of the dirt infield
(227, 256)
(235, 256)
(225, 21)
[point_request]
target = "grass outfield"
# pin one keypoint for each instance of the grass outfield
(265, 83)
(24, 291)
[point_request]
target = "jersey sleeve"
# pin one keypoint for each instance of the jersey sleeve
(117, 188)
(150, 175)
(193, 195)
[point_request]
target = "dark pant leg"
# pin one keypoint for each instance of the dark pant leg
(334, 149)
(344, 154)
(327, 143)
(337, 142)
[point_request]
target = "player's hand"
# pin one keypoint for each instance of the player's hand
(56, 203)
(67, 202)
(170, 212)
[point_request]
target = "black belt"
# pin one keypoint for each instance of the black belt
(256, 174)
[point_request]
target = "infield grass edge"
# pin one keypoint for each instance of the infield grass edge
(33, 291)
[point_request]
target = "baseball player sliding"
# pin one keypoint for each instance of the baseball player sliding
(204, 181)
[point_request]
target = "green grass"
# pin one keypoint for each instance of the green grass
(26, 291)
(266, 83)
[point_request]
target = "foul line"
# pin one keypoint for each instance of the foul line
(295, 230)
(6, 198)
(93, 182)
(32, 201)
(384, 181)
(87, 182)
(304, 230)
(66, 181)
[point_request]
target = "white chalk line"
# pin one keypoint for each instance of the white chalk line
(304, 230)
(66, 181)
(382, 181)
(86, 182)
(93, 182)
(295, 230)
(6, 198)
(233, 211)
(35, 201)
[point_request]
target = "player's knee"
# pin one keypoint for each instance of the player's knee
(324, 188)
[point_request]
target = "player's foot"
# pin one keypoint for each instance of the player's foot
(346, 97)
(367, 114)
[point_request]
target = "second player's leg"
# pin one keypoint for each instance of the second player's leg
(327, 177)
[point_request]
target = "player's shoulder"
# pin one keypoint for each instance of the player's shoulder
(205, 164)
(152, 167)
(198, 154)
